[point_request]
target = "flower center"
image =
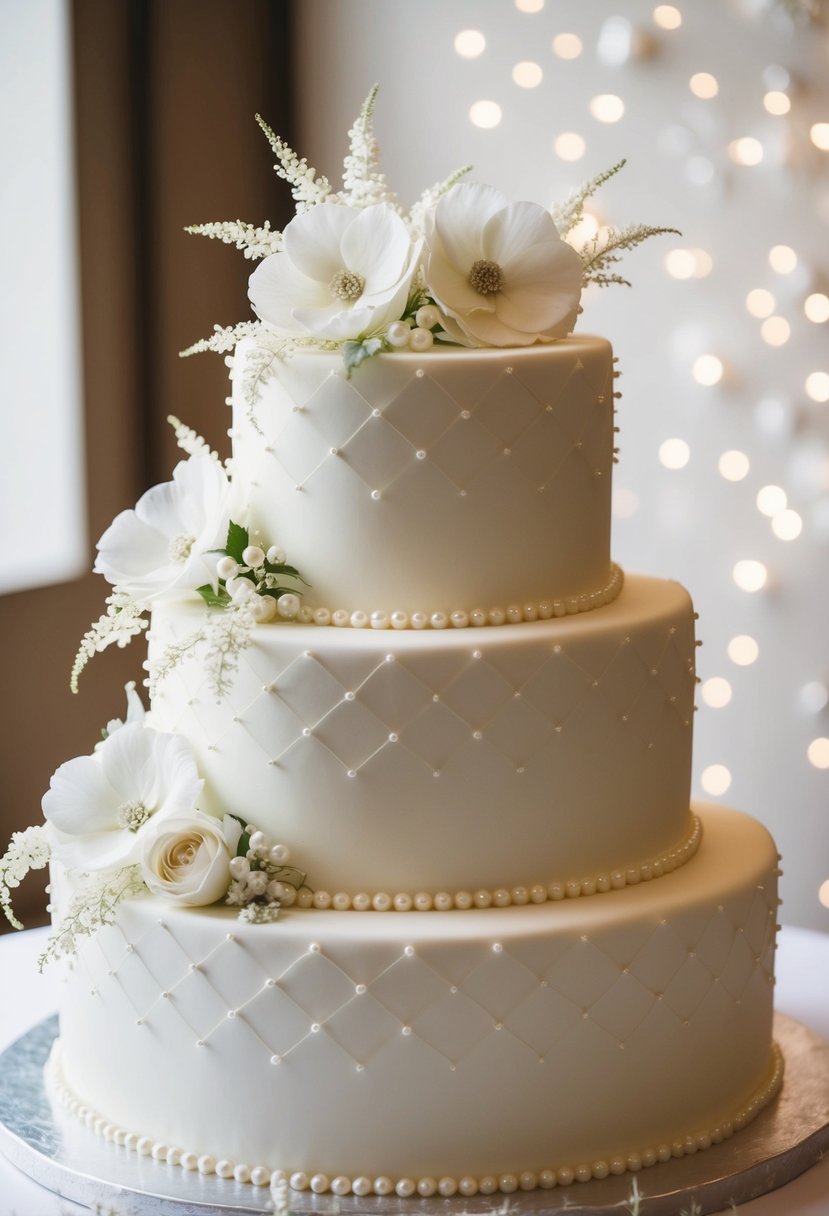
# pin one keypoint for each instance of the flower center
(346, 285)
(184, 853)
(486, 277)
(132, 815)
(179, 548)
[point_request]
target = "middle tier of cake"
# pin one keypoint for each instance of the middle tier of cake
(546, 759)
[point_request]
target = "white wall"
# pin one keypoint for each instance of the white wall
(42, 510)
(691, 523)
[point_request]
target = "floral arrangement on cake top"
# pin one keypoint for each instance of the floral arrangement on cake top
(126, 821)
(354, 271)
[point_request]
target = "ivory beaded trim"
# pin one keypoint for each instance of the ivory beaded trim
(460, 618)
(280, 1181)
(503, 897)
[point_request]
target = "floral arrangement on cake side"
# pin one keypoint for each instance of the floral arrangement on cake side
(355, 271)
(126, 821)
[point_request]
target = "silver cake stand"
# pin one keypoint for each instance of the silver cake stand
(57, 1151)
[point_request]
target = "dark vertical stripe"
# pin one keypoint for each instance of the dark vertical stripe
(139, 18)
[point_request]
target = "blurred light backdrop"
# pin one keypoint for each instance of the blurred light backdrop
(721, 108)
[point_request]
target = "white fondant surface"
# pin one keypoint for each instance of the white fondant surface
(442, 1044)
(479, 758)
(450, 480)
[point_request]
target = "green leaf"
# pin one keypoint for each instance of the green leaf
(212, 598)
(291, 875)
(284, 568)
(237, 541)
(355, 353)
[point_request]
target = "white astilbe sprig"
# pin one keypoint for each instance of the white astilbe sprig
(28, 850)
(122, 621)
(307, 188)
(228, 634)
(92, 906)
(571, 212)
(224, 338)
(252, 241)
(257, 370)
(429, 197)
(363, 183)
(190, 441)
(218, 643)
(605, 250)
(171, 658)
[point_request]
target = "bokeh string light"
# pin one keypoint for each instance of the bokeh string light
(754, 371)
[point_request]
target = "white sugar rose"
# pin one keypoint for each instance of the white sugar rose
(186, 860)
(344, 273)
(160, 546)
(100, 807)
(499, 271)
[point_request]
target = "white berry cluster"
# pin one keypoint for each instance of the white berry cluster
(417, 337)
(253, 579)
(262, 880)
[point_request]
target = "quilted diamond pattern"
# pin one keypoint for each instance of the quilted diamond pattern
(540, 995)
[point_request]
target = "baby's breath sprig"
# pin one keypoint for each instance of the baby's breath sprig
(123, 620)
(91, 908)
(28, 850)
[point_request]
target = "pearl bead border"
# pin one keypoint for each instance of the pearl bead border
(502, 897)
(461, 618)
(467, 1185)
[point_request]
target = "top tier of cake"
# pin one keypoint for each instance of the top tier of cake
(457, 481)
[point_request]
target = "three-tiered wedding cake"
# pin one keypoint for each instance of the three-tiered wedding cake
(521, 956)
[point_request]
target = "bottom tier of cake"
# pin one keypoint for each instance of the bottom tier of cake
(503, 1047)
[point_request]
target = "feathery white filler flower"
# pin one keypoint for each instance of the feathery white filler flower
(100, 807)
(160, 546)
(500, 271)
(344, 273)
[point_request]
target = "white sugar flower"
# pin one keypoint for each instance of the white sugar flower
(186, 859)
(135, 712)
(99, 807)
(344, 273)
(500, 271)
(160, 546)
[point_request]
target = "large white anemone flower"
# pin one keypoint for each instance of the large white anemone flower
(500, 272)
(344, 273)
(160, 546)
(100, 808)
